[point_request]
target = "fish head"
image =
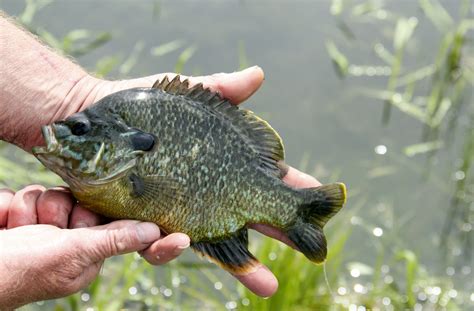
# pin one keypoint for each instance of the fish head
(90, 149)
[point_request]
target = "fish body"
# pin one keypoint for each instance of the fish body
(191, 162)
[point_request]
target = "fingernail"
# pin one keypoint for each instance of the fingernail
(183, 246)
(250, 68)
(147, 232)
(80, 225)
(179, 249)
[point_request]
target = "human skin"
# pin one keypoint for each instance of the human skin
(64, 243)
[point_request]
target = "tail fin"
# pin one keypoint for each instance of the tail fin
(319, 206)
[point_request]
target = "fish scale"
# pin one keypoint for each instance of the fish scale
(191, 162)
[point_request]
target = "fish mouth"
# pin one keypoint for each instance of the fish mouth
(52, 144)
(49, 155)
(55, 158)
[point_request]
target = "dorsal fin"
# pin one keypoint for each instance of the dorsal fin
(261, 136)
(197, 92)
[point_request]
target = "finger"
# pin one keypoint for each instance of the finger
(299, 179)
(54, 206)
(166, 249)
(236, 86)
(115, 238)
(83, 218)
(22, 210)
(262, 282)
(6, 196)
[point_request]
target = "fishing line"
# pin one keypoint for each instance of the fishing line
(327, 281)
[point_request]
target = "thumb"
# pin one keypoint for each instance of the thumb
(115, 238)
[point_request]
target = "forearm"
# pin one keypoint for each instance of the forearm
(37, 85)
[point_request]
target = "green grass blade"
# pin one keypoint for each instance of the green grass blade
(50, 39)
(132, 59)
(339, 60)
(403, 32)
(383, 53)
(411, 270)
(422, 148)
(99, 40)
(31, 7)
(437, 14)
(243, 60)
(105, 65)
(417, 75)
(166, 48)
(183, 58)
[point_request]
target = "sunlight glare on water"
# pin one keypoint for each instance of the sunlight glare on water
(378, 232)
(218, 285)
(85, 297)
(133, 290)
(355, 273)
(167, 292)
(231, 305)
(272, 256)
(154, 291)
(359, 288)
(342, 291)
(176, 281)
(381, 149)
(459, 175)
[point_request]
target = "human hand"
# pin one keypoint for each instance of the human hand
(40, 258)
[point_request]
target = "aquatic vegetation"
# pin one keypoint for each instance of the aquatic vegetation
(438, 94)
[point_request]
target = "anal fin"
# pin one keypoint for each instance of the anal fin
(231, 254)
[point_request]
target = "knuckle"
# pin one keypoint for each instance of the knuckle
(22, 208)
(54, 202)
(119, 241)
(31, 189)
(6, 191)
(6, 196)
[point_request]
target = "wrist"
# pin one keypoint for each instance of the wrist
(50, 105)
(38, 86)
(9, 290)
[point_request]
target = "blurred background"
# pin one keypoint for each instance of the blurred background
(377, 94)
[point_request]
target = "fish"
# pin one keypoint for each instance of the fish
(187, 159)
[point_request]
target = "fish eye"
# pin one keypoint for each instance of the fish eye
(79, 126)
(143, 141)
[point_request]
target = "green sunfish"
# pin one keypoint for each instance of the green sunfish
(188, 160)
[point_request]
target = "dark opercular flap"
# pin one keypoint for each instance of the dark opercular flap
(231, 254)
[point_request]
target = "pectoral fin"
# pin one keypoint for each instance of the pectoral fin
(157, 188)
(230, 254)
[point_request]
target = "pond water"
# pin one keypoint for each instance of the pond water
(330, 129)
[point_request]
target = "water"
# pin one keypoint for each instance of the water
(329, 129)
